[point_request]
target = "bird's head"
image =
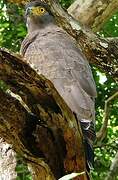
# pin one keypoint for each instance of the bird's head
(39, 13)
(37, 8)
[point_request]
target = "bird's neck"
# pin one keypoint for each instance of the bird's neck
(34, 23)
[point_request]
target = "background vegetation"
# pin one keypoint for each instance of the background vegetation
(12, 32)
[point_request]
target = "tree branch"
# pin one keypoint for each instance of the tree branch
(50, 139)
(110, 144)
(103, 131)
(97, 50)
(93, 13)
(14, 126)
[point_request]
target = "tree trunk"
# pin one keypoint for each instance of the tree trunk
(93, 13)
(37, 121)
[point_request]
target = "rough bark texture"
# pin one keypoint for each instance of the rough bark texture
(51, 140)
(98, 51)
(93, 13)
(102, 53)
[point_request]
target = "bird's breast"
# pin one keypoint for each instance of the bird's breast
(56, 57)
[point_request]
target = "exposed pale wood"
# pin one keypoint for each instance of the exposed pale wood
(93, 13)
(7, 161)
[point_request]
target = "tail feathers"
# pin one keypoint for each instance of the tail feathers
(88, 129)
(89, 137)
(89, 155)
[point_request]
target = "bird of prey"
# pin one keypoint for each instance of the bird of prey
(56, 55)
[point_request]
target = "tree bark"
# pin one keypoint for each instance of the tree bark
(100, 52)
(37, 121)
(93, 13)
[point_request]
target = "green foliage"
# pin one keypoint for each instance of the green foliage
(66, 3)
(110, 28)
(12, 26)
(22, 170)
(12, 32)
(105, 154)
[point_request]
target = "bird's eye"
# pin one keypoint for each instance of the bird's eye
(38, 11)
(42, 10)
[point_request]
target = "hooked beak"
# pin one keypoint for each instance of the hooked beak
(28, 11)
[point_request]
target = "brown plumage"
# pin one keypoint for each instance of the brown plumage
(55, 54)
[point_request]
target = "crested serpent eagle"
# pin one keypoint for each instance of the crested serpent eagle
(56, 55)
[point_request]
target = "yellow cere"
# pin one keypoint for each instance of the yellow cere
(38, 10)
